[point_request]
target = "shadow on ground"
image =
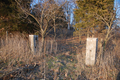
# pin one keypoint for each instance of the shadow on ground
(118, 76)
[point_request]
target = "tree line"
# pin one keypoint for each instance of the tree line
(91, 17)
(23, 16)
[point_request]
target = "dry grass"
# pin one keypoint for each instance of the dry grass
(61, 60)
(15, 51)
(104, 69)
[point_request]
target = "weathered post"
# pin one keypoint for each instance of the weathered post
(91, 49)
(33, 42)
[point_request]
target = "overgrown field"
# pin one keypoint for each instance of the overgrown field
(62, 59)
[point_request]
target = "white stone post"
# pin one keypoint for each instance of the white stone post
(91, 49)
(33, 42)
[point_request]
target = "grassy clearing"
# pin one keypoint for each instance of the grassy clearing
(66, 62)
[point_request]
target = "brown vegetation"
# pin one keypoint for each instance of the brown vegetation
(65, 62)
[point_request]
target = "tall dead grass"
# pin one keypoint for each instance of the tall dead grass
(104, 69)
(16, 51)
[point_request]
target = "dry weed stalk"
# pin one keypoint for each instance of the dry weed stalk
(16, 52)
(105, 70)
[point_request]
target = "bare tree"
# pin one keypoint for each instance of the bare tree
(45, 12)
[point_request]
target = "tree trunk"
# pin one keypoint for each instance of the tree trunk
(54, 33)
(101, 55)
(80, 36)
(43, 40)
(93, 35)
(106, 38)
(54, 27)
(87, 32)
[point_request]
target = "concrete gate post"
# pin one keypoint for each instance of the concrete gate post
(33, 42)
(91, 49)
